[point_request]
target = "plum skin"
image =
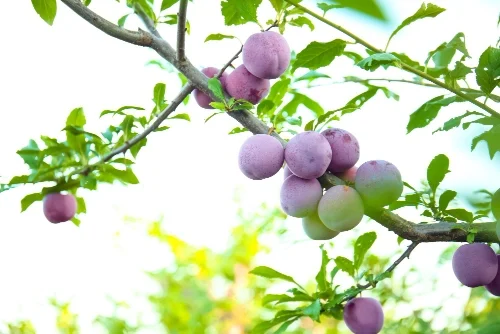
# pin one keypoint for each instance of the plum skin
(494, 286)
(203, 99)
(59, 208)
(475, 264)
(286, 172)
(242, 84)
(348, 175)
(315, 229)
(345, 149)
(495, 204)
(266, 54)
(378, 182)
(261, 156)
(364, 315)
(300, 197)
(341, 208)
(308, 155)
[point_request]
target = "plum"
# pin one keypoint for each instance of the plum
(266, 54)
(345, 149)
(378, 182)
(58, 207)
(300, 197)
(348, 175)
(341, 208)
(495, 204)
(242, 84)
(286, 172)
(475, 264)
(494, 286)
(364, 315)
(315, 229)
(261, 156)
(203, 99)
(308, 155)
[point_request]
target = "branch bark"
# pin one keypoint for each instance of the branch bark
(181, 30)
(405, 229)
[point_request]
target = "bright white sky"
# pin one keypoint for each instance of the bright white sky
(189, 174)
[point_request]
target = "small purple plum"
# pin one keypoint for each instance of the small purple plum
(494, 286)
(242, 84)
(495, 204)
(349, 175)
(345, 149)
(341, 208)
(203, 99)
(266, 54)
(315, 229)
(300, 197)
(378, 182)
(364, 315)
(475, 264)
(261, 156)
(58, 207)
(308, 155)
(286, 172)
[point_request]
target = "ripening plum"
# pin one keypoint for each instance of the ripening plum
(261, 156)
(58, 207)
(308, 155)
(364, 315)
(341, 208)
(286, 172)
(203, 99)
(348, 175)
(300, 197)
(495, 204)
(475, 264)
(345, 149)
(378, 182)
(242, 84)
(494, 286)
(266, 54)
(315, 229)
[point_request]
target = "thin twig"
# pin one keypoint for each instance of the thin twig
(404, 66)
(150, 25)
(181, 30)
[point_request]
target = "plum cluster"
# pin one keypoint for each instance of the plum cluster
(266, 55)
(308, 156)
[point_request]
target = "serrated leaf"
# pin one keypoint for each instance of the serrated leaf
(311, 76)
(488, 70)
(424, 115)
(429, 10)
(313, 311)
(159, 96)
(237, 130)
(238, 12)
(444, 53)
(215, 86)
(461, 214)
(321, 276)
(376, 60)
(367, 7)
(437, 170)
(492, 139)
(301, 21)
(76, 118)
(47, 9)
(316, 54)
(361, 247)
(456, 121)
(325, 7)
(446, 198)
(267, 272)
(218, 37)
(216, 105)
(345, 265)
(181, 116)
(301, 99)
(119, 111)
(30, 199)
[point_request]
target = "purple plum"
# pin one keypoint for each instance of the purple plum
(349, 175)
(315, 229)
(345, 149)
(242, 84)
(364, 315)
(475, 264)
(378, 182)
(341, 208)
(58, 207)
(300, 197)
(203, 99)
(494, 286)
(286, 172)
(261, 156)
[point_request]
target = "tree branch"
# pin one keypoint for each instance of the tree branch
(150, 25)
(400, 226)
(404, 66)
(181, 30)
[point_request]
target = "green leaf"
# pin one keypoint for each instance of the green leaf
(379, 59)
(424, 115)
(316, 54)
(311, 76)
(321, 276)
(456, 121)
(326, 7)
(76, 118)
(218, 37)
(237, 130)
(429, 10)
(238, 12)
(437, 170)
(306, 101)
(181, 116)
(361, 247)
(81, 207)
(313, 310)
(285, 326)
(267, 272)
(444, 53)
(47, 9)
(492, 139)
(121, 20)
(216, 105)
(119, 111)
(488, 70)
(126, 176)
(446, 198)
(165, 4)
(345, 265)
(216, 87)
(367, 7)
(461, 214)
(301, 21)
(159, 96)
(30, 154)
(75, 221)
(30, 199)
(277, 5)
